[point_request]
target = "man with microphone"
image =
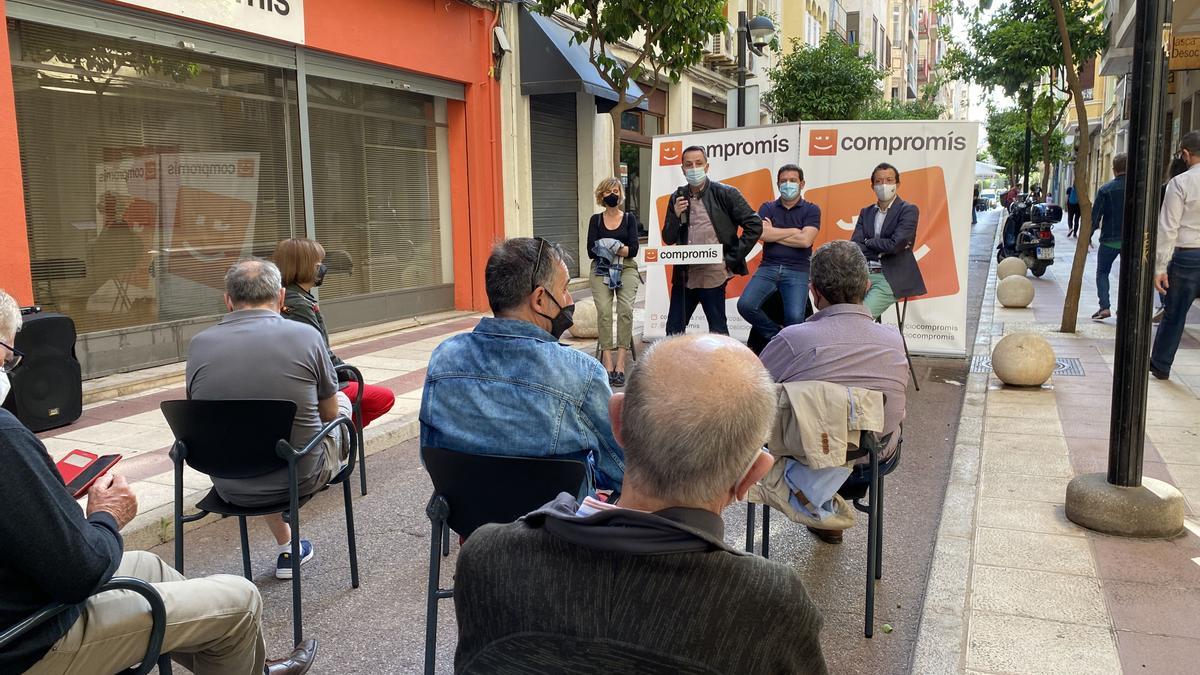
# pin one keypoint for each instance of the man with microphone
(707, 212)
(885, 232)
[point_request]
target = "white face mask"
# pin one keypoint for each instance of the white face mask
(695, 176)
(885, 191)
(5, 386)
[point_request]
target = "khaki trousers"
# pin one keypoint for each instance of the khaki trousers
(626, 294)
(213, 625)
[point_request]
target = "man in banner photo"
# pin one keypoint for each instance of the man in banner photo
(707, 212)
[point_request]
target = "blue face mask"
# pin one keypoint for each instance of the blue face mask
(695, 176)
(789, 190)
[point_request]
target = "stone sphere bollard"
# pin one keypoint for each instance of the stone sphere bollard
(585, 325)
(1015, 291)
(1023, 360)
(1010, 266)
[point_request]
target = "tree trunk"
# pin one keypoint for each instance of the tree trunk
(1046, 163)
(617, 111)
(1082, 157)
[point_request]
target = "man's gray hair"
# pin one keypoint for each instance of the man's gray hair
(510, 274)
(10, 317)
(253, 282)
(1119, 162)
(1191, 142)
(838, 270)
(691, 429)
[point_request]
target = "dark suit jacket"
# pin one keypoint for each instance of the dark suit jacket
(893, 247)
(663, 586)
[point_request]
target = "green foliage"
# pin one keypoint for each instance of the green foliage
(101, 60)
(827, 82)
(675, 33)
(914, 109)
(1006, 139)
(1019, 43)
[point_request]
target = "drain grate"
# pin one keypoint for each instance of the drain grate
(1068, 367)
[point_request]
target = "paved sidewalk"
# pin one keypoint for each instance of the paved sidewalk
(121, 414)
(1017, 588)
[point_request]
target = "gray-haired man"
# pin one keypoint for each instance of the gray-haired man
(841, 343)
(693, 420)
(255, 353)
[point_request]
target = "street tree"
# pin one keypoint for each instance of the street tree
(829, 81)
(667, 35)
(1024, 45)
(913, 109)
(1006, 140)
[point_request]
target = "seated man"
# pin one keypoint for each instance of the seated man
(57, 554)
(651, 577)
(842, 344)
(255, 353)
(509, 387)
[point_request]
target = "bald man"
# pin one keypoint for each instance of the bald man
(692, 420)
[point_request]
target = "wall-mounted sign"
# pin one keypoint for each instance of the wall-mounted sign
(1185, 52)
(279, 19)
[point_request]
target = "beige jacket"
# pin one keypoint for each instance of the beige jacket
(816, 421)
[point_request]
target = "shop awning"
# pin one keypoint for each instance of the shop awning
(985, 170)
(550, 64)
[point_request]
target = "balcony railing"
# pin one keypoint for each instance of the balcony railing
(837, 18)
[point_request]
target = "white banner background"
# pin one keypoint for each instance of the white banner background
(936, 161)
(936, 164)
(745, 158)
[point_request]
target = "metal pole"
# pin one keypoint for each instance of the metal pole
(742, 32)
(1127, 428)
(1028, 132)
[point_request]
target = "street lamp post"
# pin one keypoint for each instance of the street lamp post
(753, 35)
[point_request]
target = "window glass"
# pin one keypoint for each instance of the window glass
(147, 172)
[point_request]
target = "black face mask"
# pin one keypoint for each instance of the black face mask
(565, 319)
(611, 200)
(321, 270)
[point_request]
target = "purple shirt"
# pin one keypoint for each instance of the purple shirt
(842, 344)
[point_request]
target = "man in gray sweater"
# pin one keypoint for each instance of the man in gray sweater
(648, 583)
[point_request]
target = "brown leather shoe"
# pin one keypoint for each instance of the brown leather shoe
(296, 663)
(827, 536)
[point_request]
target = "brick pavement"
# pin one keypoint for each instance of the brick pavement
(1017, 588)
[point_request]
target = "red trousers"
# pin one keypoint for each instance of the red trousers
(376, 400)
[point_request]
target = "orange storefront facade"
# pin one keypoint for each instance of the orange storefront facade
(147, 145)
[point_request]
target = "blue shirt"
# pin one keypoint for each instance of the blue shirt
(509, 388)
(1072, 198)
(1109, 210)
(803, 214)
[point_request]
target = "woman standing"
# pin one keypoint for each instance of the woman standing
(612, 244)
(301, 264)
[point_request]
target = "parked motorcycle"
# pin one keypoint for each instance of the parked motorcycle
(1027, 234)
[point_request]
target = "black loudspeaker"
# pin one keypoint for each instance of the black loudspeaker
(47, 388)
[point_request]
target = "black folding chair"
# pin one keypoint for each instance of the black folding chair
(864, 482)
(158, 625)
(243, 439)
(353, 374)
(474, 490)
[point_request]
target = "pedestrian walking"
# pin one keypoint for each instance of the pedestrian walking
(1177, 256)
(1073, 212)
(1108, 213)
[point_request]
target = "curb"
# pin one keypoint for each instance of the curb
(942, 632)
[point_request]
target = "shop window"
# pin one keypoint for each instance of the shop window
(147, 172)
(380, 186)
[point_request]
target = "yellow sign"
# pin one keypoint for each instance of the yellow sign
(1185, 52)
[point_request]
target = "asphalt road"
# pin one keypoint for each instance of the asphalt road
(379, 627)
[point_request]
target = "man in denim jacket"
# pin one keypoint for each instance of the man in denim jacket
(509, 387)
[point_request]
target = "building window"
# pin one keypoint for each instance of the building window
(148, 171)
(378, 164)
(631, 120)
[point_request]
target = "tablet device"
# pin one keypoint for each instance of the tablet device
(79, 469)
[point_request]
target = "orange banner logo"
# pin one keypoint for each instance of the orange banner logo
(670, 153)
(651, 255)
(822, 142)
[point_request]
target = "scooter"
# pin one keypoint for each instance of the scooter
(1027, 234)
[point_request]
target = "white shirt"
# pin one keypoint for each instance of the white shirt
(1179, 217)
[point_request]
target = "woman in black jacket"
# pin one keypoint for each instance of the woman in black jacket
(618, 225)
